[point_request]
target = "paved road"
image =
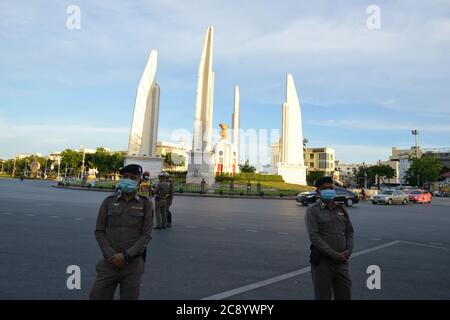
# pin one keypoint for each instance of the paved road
(220, 248)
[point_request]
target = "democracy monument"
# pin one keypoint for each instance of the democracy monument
(205, 160)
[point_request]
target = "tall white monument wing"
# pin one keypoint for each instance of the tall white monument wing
(236, 122)
(291, 165)
(201, 164)
(292, 136)
(204, 99)
(144, 127)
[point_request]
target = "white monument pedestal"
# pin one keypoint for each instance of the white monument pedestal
(292, 173)
(154, 165)
(201, 166)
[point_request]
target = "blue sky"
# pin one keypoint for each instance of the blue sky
(361, 90)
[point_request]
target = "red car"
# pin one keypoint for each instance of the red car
(421, 196)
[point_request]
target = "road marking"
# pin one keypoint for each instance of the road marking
(252, 230)
(285, 276)
(54, 217)
(29, 215)
(284, 233)
(436, 243)
(79, 219)
(375, 239)
(219, 228)
(425, 245)
(7, 213)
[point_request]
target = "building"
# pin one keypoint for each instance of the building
(180, 153)
(321, 159)
(347, 172)
(442, 154)
(316, 159)
(394, 164)
(402, 158)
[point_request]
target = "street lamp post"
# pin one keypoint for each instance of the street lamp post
(82, 163)
(415, 133)
(59, 166)
(14, 167)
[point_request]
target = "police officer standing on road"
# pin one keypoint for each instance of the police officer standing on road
(123, 230)
(331, 234)
(162, 192)
(169, 199)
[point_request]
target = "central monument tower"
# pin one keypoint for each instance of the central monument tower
(201, 162)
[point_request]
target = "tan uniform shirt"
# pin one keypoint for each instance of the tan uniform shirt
(329, 229)
(124, 226)
(162, 190)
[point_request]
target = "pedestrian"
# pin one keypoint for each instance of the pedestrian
(258, 187)
(249, 187)
(331, 234)
(169, 199)
(161, 194)
(123, 230)
(363, 194)
(202, 186)
(145, 187)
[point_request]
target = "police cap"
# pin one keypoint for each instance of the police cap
(322, 181)
(132, 168)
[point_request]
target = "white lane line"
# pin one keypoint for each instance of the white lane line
(252, 230)
(425, 245)
(7, 213)
(53, 217)
(219, 228)
(436, 243)
(283, 233)
(29, 215)
(285, 276)
(79, 219)
(375, 239)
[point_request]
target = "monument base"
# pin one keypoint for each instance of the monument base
(201, 166)
(291, 173)
(154, 165)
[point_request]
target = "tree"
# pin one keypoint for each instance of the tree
(103, 161)
(313, 176)
(374, 174)
(423, 171)
(382, 171)
(246, 167)
(72, 159)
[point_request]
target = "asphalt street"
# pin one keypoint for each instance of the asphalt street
(218, 248)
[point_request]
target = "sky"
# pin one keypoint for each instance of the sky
(361, 90)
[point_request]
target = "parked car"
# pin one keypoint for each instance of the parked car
(390, 197)
(343, 196)
(420, 196)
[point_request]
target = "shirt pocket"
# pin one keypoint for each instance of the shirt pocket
(114, 216)
(134, 217)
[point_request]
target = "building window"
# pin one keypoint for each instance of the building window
(322, 156)
(311, 156)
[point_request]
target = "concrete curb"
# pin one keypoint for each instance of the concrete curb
(185, 194)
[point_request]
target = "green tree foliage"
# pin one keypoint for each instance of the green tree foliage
(423, 171)
(375, 174)
(72, 159)
(247, 168)
(313, 176)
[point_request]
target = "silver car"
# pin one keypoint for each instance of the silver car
(390, 197)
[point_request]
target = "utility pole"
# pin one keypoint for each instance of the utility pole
(82, 163)
(415, 132)
(14, 167)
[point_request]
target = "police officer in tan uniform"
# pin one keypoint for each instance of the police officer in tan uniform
(169, 199)
(331, 233)
(123, 230)
(161, 193)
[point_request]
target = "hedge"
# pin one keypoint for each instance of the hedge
(227, 177)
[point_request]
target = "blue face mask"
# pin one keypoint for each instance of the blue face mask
(327, 194)
(128, 185)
